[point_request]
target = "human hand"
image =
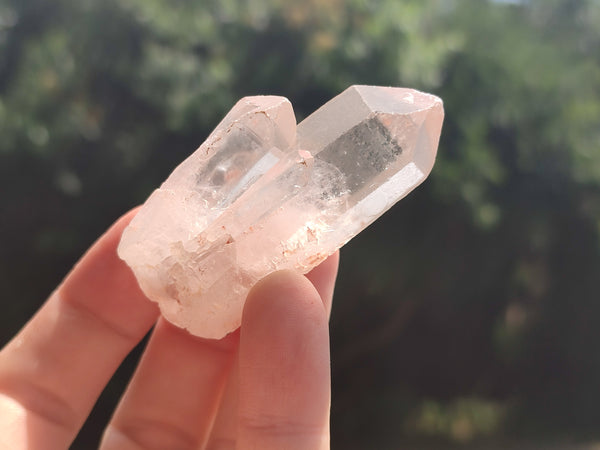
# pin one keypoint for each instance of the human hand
(265, 386)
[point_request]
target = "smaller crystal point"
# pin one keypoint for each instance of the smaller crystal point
(262, 195)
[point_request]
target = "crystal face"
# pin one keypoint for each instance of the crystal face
(262, 195)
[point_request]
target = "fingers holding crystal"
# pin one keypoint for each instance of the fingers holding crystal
(52, 372)
(323, 279)
(284, 366)
(259, 195)
(224, 432)
(174, 395)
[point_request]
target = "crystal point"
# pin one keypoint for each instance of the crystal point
(262, 195)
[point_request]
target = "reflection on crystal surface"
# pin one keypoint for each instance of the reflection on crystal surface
(260, 195)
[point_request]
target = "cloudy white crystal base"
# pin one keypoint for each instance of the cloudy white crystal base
(262, 195)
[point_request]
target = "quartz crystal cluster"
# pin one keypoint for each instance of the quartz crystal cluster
(262, 194)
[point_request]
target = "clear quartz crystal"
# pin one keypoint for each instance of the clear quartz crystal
(262, 195)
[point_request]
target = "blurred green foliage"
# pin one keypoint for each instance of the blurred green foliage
(469, 313)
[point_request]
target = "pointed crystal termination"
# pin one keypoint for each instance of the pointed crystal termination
(262, 195)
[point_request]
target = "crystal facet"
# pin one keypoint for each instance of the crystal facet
(262, 195)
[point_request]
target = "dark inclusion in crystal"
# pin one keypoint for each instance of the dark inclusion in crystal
(378, 150)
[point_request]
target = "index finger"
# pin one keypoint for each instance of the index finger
(53, 371)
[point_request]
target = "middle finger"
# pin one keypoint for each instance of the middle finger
(173, 397)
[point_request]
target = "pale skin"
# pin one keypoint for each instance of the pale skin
(265, 386)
